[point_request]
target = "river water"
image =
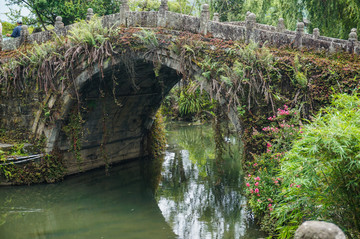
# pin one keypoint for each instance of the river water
(188, 194)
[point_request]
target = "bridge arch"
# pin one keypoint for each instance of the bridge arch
(118, 102)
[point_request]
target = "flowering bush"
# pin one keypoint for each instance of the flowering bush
(309, 172)
(263, 184)
(321, 171)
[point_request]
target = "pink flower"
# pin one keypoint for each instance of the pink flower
(298, 186)
(270, 200)
(258, 195)
(247, 184)
(259, 200)
(269, 205)
(257, 179)
(255, 164)
(251, 191)
(270, 209)
(249, 175)
(257, 183)
(256, 190)
(276, 182)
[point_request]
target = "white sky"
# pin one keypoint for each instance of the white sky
(5, 9)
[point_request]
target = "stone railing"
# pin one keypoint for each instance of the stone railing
(247, 31)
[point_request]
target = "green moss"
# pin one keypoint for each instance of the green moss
(156, 137)
(50, 169)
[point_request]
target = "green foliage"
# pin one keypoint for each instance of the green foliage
(309, 172)
(46, 11)
(92, 33)
(299, 76)
(248, 77)
(325, 162)
(344, 14)
(7, 28)
(49, 170)
(148, 37)
(189, 103)
(182, 6)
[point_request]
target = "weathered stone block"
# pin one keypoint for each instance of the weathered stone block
(319, 230)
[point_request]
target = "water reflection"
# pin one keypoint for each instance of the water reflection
(190, 196)
(91, 205)
(199, 196)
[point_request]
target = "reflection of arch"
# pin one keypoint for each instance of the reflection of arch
(121, 128)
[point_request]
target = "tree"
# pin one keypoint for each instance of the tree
(45, 11)
(334, 18)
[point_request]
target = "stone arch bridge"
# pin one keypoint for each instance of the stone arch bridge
(121, 118)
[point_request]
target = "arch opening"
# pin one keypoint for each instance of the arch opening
(117, 111)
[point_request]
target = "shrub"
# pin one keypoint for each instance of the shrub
(320, 172)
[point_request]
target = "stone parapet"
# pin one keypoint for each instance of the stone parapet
(246, 31)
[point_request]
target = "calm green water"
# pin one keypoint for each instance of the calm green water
(189, 195)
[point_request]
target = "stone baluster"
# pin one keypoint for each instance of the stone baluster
(162, 13)
(299, 34)
(316, 33)
(204, 19)
(24, 35)
(281, 25)
(353, 35)
(216, 17)
(353, 44)
(58, 23)
(59, 26)
(124, 9)
(250, 22)
(90, 14)
(163, 6)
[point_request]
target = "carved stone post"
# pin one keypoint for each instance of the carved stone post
(162, 13)
(299, 34)
(353, 35)
(353, 45)
(316, 33)
(281, 25)
(58, 23)
(59, 26)
(250, 22)
(124, 9)
(90, 14)
(204, 19)
(216, 17)
(163, 6)
(24, 35)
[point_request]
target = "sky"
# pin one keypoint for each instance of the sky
(4, 9)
